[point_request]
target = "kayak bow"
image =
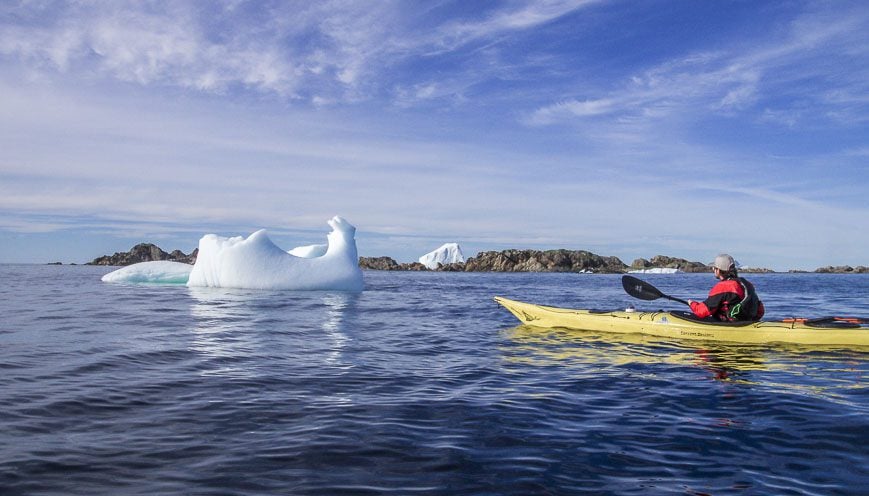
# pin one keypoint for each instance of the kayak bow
(682, 325)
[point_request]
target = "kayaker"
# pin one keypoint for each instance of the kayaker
(732, 298)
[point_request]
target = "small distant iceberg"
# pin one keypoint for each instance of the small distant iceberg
(152, 273)
(448, 253)
(256, 262)
(656, 270)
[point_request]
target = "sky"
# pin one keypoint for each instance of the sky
(626, 128)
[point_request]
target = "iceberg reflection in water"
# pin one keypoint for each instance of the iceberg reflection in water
(232, 325)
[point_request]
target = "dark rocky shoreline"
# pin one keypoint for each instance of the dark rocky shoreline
(579, 261)
(842, 269)
(145, 252)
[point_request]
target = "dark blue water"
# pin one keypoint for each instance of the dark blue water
(419, 385)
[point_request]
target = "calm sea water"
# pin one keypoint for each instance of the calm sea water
(419, 385)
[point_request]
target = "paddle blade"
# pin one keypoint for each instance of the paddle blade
(640, 289)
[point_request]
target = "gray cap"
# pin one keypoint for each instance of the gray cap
(724, 262)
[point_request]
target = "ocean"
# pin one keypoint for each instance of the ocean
(419, 385)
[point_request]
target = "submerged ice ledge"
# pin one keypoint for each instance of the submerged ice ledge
(256, 262)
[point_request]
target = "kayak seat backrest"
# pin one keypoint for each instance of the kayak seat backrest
(693, 318)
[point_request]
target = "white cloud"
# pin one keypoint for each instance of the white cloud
(526, 15)
(335, 50)
(740, 76)
(148, 47)
(787, 117)
(573, 108)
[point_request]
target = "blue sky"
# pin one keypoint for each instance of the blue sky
(626, 128)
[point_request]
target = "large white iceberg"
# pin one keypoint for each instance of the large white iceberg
(152, 272)
(446, 254)
(257, 263)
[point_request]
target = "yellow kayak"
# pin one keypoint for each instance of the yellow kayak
(828, 331)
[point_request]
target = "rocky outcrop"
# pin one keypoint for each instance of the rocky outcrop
(387, 263)
(843, 269)
(452, 267)
(378, 263)
(546, 261)
(145, 252)
(543, 261)
(755, 270)
(512, 261)
(663, 262)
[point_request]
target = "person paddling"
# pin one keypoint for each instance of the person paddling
(732, 298)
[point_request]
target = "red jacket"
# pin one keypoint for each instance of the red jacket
(724, 296)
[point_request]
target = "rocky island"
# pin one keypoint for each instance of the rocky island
(579, 261)
(145, 252)
(387, 263)
(843, 269)
(543, 261)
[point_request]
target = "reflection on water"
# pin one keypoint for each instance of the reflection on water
(231, 326)
(780, 367)
(333, 325)
(548, 346)
(223, 329)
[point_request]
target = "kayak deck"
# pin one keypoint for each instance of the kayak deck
(681, 325)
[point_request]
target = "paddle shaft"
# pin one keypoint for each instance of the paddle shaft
(676, 299)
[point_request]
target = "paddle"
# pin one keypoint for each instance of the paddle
(645, 291)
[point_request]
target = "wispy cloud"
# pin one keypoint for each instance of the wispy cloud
(134, 43)
(523, 15)
(574, 108)
(322, 52)
(773, 78)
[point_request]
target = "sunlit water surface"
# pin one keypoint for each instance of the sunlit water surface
(419, 385)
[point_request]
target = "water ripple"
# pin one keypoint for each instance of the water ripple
(419, 385)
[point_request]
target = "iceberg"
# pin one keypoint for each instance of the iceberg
(152, 273)
(257, 263)
(446, 254)
(656, 270)
(310, 251)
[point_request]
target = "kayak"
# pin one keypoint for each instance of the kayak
(831, 331)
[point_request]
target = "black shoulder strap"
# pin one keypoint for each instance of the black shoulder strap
(747, 308)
